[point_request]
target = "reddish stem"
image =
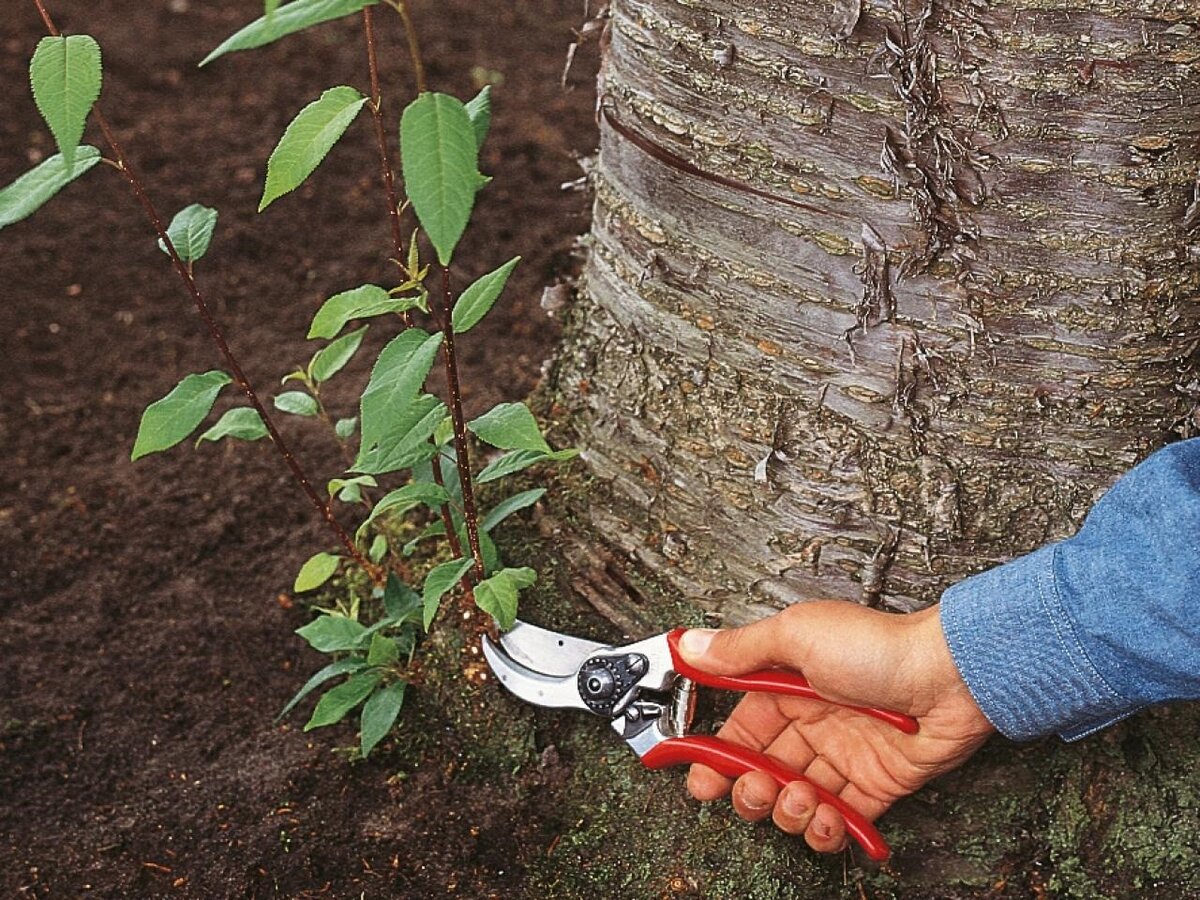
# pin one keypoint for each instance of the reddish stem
(218, 336)
(460, 425)
(385, 165)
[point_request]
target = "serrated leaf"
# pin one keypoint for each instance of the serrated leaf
(479, 111)
(241, 423)
(332, 634)
(308, 139)
(191, 231)
(379, 715)
(65, 74)
(29, 193)
(441, 579)
(507, 507)
(510, 426)
(168, 421)
(383, 650)
(297, 403)
(338, 701)
(344, 428)
(395, 380)
(476, 300)
(508, 464)
(401, 603)
(287, 19)
(363, 302)
(328, 361)
(407, 443)
(488, 550)
(498, 594)
(379, 548)
(331, 671)
(440, 159)
(401, 500)
(317, 570)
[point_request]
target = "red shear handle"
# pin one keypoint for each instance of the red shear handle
(733, 761)
(775, 682)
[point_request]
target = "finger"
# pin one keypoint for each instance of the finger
(827, 831)
(754, 796)
(704, 784)
(869, 806)
(795, 807)
(821, 771)
(770, 642)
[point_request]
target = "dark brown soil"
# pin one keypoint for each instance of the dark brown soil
(145, 631)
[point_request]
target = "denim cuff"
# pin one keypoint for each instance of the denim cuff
(1017, 649)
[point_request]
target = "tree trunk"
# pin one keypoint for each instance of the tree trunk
(880, 297)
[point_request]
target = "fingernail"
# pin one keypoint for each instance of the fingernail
(757, 804)
(793, 805)
(696, 641)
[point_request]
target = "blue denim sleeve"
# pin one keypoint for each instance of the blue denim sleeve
(1080, 634)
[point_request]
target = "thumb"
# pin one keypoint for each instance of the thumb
(737, 651)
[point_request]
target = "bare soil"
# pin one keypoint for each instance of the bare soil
(145, 621)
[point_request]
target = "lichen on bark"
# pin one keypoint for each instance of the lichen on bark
(933, 276)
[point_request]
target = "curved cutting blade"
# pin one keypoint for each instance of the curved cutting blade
(548, 651)
(557, 691)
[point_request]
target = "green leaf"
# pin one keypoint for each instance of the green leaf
(317, 570)
(401, 500)
(168, 421)
(269, 7)
(479, 111)
(498, 595)
(441, 579)
(328, 361)
(487, 547)
(379, 548)
(407, 442)
(379, 715)
(440, 160)
(338, 486)
(65, 75)
(27, 194)
(476, 300)
(308, 139)
(383, 650)
(191, 232)
(363, 302)
(241, 422)
(332, 633)
(433, 529)
(297, 403)
(395, 380)
(288, 19)
(509, 463)
(444, 433)
(401, 602)
(338, 701)
(344, 428)
(333, 670)
(507, 507)
(510, 426)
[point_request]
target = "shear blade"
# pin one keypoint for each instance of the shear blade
(538, 688)
(548, 651)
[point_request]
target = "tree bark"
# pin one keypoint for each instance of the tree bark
(880, 295)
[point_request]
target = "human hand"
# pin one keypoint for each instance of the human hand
(851, 655)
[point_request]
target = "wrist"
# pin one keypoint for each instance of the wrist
(938, 683)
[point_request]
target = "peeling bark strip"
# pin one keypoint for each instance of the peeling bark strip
(1018, 279)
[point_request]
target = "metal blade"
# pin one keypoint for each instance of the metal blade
(533, 687)
(548, 651)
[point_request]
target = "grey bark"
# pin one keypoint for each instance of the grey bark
(881, 294)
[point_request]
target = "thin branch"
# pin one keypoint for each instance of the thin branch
(460, 426)
(414, 48)
(218, 336)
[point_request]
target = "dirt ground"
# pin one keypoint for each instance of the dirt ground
(145, 630)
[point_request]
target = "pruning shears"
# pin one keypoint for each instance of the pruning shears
(648, 693)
